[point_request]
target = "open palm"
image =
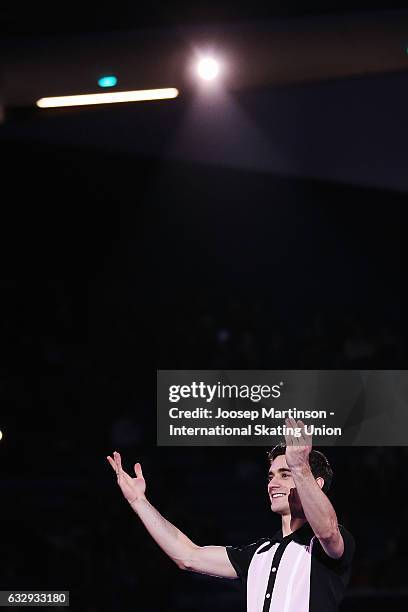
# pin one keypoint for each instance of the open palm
(132, 488)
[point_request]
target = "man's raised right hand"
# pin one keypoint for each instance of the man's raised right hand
(133, 489)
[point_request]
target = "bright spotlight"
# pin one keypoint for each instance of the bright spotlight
(208, 68)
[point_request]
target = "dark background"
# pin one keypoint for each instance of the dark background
(116, 264)
(29, 20)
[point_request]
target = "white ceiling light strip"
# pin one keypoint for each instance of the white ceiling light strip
(140, 95)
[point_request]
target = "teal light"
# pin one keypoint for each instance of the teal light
(107, 81)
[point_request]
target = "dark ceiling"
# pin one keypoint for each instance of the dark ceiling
(316, 90)
(33, 19)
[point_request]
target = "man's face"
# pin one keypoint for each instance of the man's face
(280, 482)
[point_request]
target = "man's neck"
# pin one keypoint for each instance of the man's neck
(291, 523)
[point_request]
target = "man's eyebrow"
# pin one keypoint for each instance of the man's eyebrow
(270, 473)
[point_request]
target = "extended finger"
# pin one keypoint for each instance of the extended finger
(298, 436)
(112, 463)
(288, 436)
(138, 470)
(118, 461)
(307, 437)
(293, 425)
(302, 437)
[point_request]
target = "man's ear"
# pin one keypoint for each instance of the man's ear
(320, 481)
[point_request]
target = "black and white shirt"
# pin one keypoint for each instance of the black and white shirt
(292, 573)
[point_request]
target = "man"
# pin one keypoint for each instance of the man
(304, 567)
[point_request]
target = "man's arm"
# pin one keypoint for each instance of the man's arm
(317, 507)
(211, 560)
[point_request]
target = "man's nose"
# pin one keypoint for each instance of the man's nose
(272, 483)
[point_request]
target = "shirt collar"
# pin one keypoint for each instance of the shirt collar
(302, 535)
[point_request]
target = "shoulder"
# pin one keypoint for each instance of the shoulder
(241, 556)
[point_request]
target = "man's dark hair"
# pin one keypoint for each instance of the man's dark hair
(319, 464)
